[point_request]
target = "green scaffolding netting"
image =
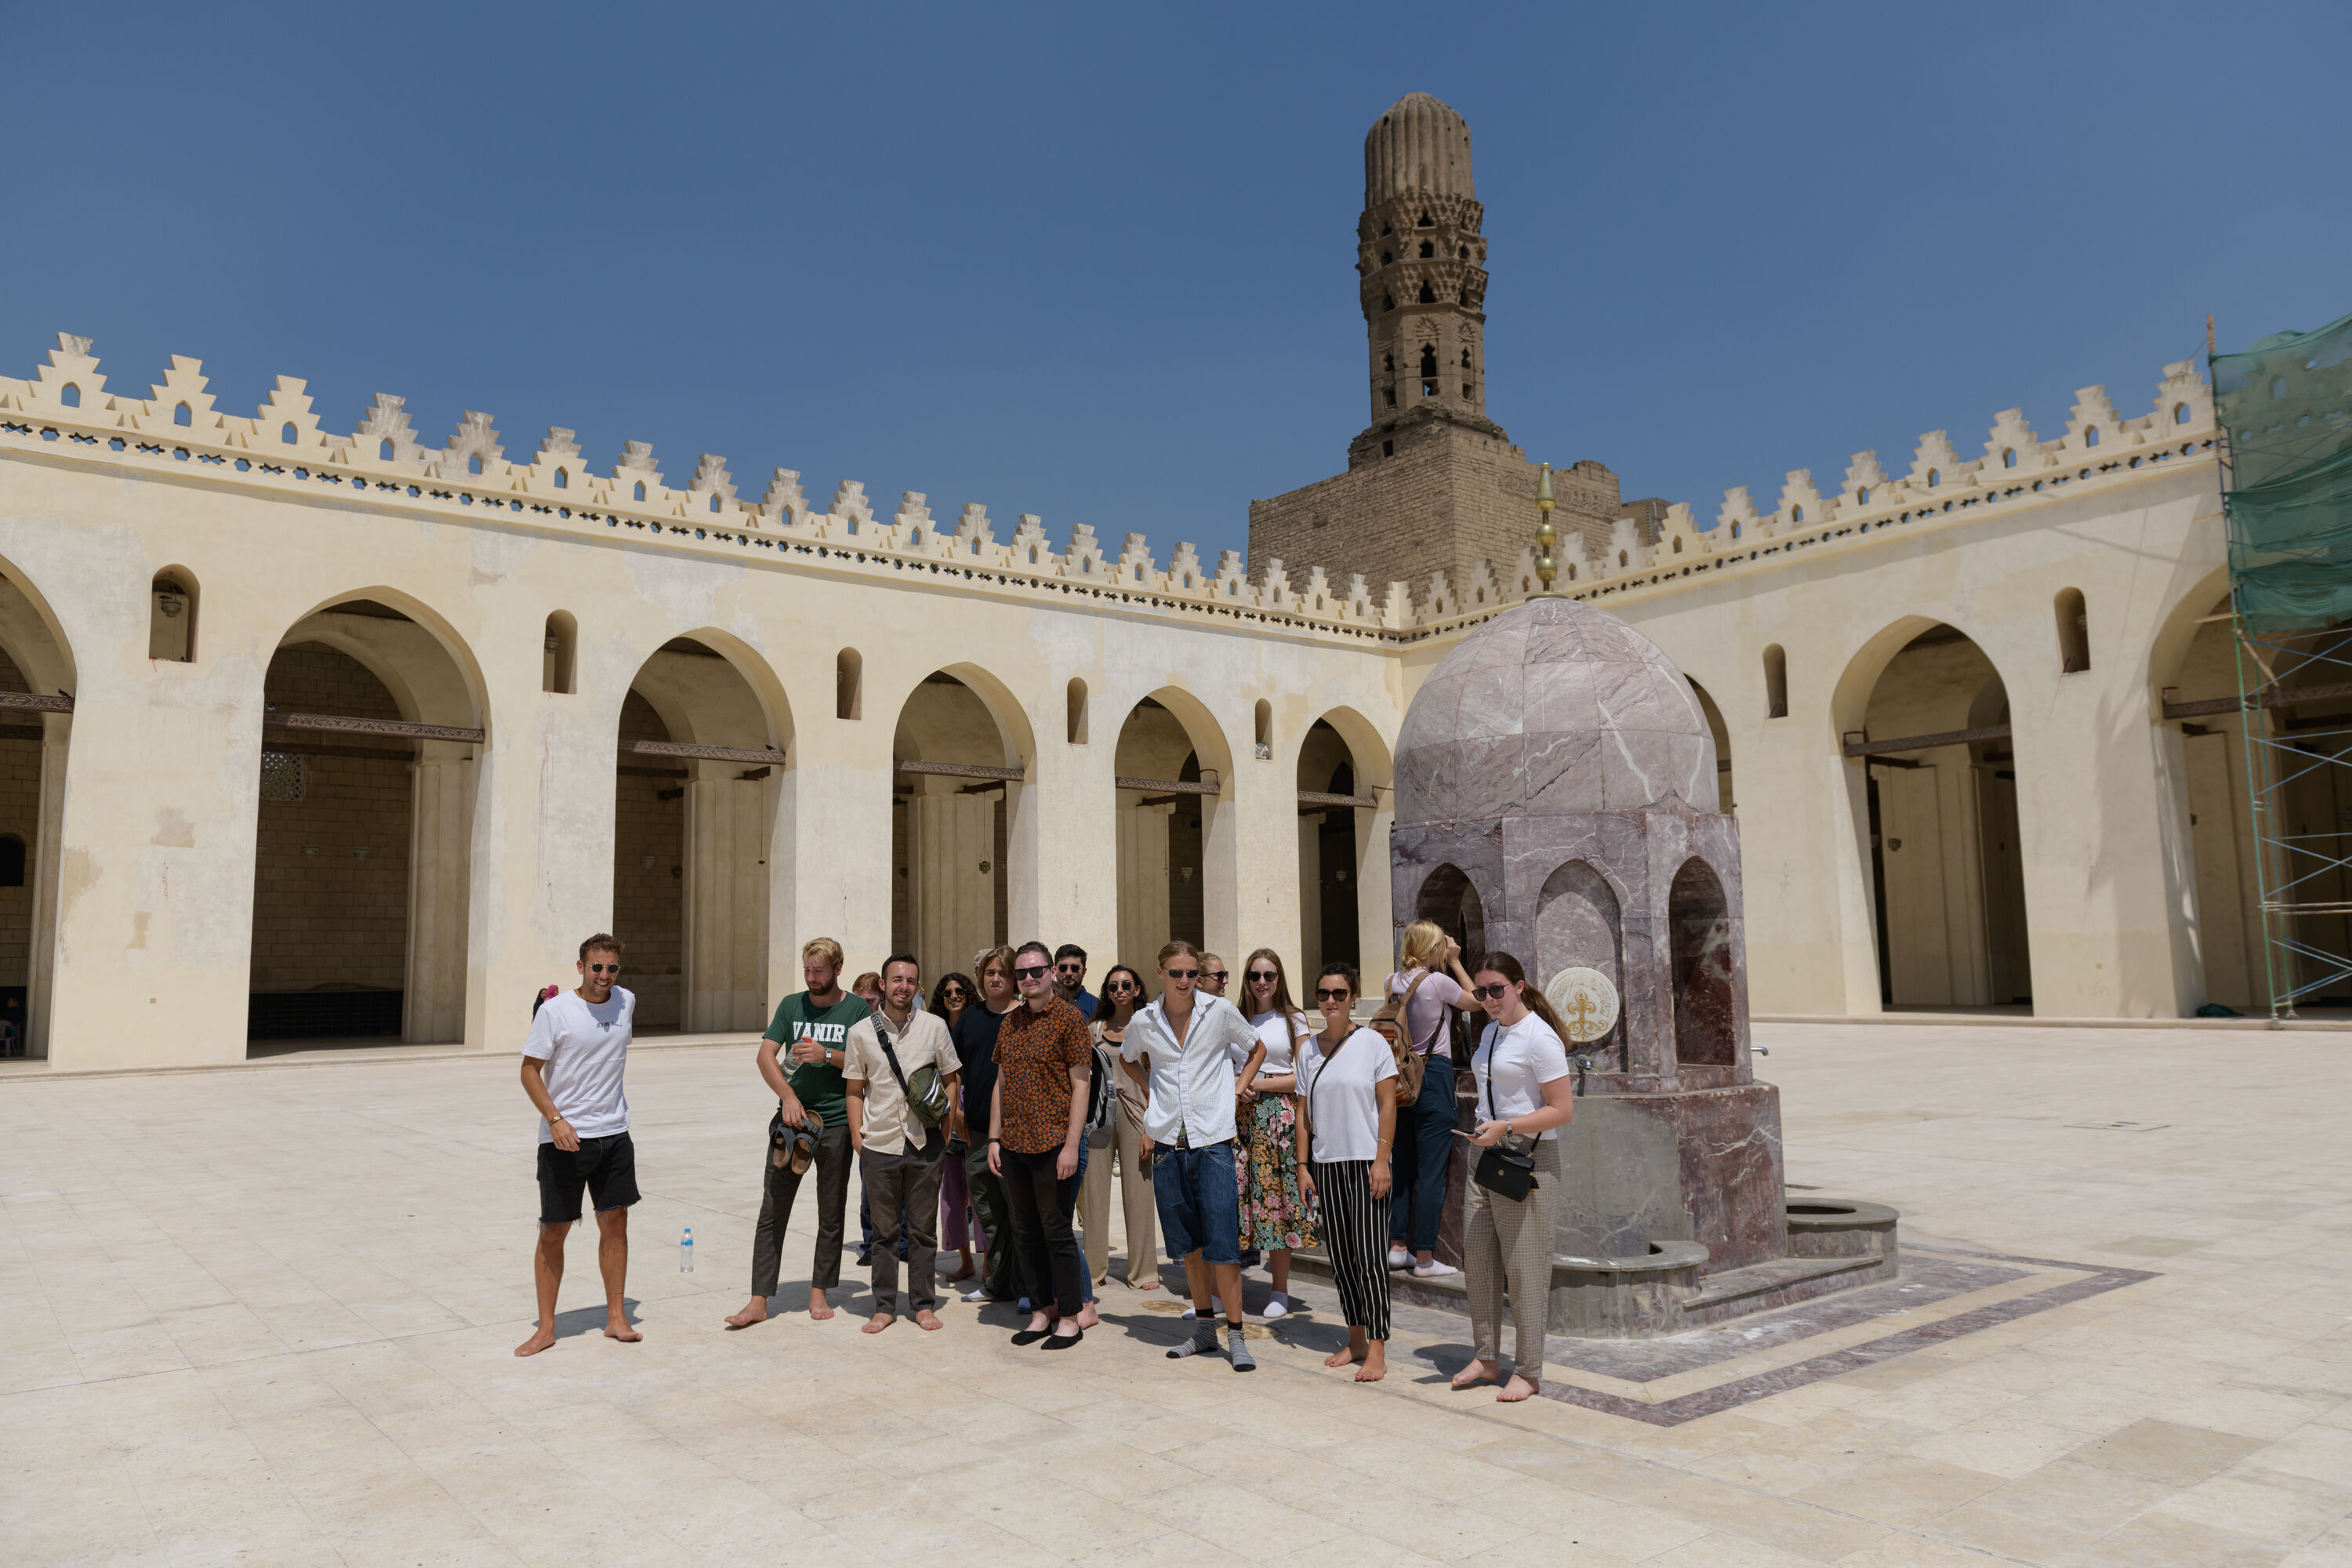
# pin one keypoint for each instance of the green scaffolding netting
(2286, 402)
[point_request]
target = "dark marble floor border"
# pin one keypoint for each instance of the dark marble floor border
(2097, 1281)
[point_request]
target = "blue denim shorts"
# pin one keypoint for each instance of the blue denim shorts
(1199, 1202)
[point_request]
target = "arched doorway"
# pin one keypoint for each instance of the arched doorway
(36, 727)
(697, 786)
(1174, 860)
(1334, 792)
(362, 853)
(1946, 867)
(1724, 797)
(955, 801)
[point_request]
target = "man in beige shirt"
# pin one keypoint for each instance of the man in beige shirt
(897, 1156)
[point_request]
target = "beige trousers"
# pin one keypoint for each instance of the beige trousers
(1124, 1139)
(1507, 1249)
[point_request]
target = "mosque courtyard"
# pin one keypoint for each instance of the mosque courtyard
(266, 1315)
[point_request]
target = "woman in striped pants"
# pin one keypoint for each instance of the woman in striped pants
(1347, 1122)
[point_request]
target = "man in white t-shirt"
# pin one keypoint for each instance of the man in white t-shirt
(572, 1067)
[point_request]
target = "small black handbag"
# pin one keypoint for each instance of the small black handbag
(1503, 1172)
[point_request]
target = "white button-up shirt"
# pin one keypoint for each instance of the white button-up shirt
(1193, 1083)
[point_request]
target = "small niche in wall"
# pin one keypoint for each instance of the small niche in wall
(1776, 682)
(1264, 731)
(172, 616)
(2073, 631)
(849, 670)
(1077, 702)
(556, 660)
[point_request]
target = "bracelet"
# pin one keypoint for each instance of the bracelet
(559, 1116)
(996, 1140)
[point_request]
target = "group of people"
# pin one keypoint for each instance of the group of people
(1239, 1132)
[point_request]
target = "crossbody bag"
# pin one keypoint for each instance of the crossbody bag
(927, 1097)
(1502, 1171)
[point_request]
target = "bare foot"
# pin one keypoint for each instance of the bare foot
(1375, 1367)
(1088, 1317)
(819, 1308)
(1340, 1357)
(1518, 1388)
(876, 1324)
(1148, 1285)
(1476, 1372)
(538, 1341)
(962, 1273)
(618, 1329)
(755, 1310)
(926, 1320)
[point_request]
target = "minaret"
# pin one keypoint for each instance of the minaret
(1421, 263)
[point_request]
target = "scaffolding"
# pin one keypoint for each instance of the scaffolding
(2286, 404)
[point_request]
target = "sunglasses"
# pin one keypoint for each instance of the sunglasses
(1073, 968)
(1182, 973)
(954, 992)
(1490, 993)
(1261, 976)
(1122, 988)
(1031, 972)
(604, 969)
(1333, 994)
(1218, 975)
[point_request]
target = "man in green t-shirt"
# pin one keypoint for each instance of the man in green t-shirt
(812, 1031)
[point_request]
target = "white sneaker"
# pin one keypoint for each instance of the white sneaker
(1400, 1258)
(1434, 1269)
(1274, 1309)
(1216, 1304)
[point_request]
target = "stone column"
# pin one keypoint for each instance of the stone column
(440, 859)
(1373, 931)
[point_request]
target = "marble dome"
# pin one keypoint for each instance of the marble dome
(1551, 709)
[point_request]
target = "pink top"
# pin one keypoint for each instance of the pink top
(1438, 994)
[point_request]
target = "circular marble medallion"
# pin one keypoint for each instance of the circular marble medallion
(1585, 1001)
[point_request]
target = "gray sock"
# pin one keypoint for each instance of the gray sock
(1237, 1346)
(1203, 1343)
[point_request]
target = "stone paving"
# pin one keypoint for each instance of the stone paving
(266, 1316)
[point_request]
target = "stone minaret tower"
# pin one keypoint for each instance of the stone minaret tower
(1422, 266)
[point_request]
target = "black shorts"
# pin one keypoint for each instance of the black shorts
(607, 1167)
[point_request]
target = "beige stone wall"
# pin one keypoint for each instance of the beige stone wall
(1449, 499)
(330, 874)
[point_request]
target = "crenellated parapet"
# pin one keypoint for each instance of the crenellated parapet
(283, 447)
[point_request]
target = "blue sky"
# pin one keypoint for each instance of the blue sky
(1096, 262)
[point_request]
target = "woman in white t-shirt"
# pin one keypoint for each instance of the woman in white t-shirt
(1348, 1114)
(1429, 969)
(1525, 1096)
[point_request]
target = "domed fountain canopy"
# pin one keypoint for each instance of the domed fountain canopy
(1551, 709)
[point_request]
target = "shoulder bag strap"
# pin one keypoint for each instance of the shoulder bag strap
(882, 1033)
(1404, 1014)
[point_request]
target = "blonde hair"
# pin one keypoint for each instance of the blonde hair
(1180, 948)
(1423, 941)
(991, 957)
(824, 947)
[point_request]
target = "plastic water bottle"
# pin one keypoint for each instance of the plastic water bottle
(685, 1252)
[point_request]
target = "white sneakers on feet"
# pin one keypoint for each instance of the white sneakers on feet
(1216, 1304)
(1434, 1269)
(1400, 1258)
(1277, 1308)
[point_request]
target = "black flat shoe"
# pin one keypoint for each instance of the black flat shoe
(1055, 1342)
(1030, 1336)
